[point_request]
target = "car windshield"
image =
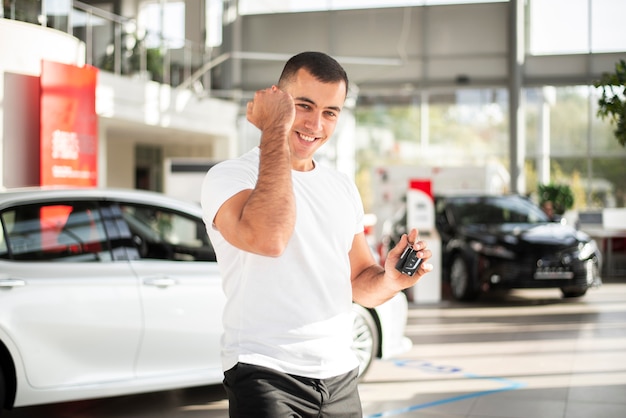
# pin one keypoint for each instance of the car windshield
(496, 210)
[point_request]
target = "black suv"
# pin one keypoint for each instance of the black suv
(507, 242)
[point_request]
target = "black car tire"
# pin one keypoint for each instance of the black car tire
(573, 292)
(365, 338)
(2, 390)
(462, 283)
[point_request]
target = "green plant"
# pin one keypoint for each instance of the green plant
(612, 103)
(560, 195)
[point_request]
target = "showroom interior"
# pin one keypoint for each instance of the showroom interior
(498, 86)
(475, 96)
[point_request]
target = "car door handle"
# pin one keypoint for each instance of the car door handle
(12, 282)
(160, 281)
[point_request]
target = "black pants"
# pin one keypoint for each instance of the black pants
(260, 392)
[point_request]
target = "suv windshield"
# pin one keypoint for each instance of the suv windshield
(495, 210)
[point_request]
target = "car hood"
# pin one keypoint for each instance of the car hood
(555, 234)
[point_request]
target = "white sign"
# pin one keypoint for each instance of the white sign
(420, 211)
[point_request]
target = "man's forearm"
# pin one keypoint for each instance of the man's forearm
(370, 288)
(271, 205)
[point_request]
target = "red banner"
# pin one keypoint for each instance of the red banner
(425, 185)
(69, 125)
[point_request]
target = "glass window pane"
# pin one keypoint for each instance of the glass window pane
(604, 142)
(56, 232)
(576, 26)
(25, 11)
(172, 15)
(164, 235)
(566, 34)
(4, 251)
(608, 31)
(57, 13)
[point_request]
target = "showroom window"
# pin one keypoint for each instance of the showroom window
(164, 23)
(580, 151)
(576, 26)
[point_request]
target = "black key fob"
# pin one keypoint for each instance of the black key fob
(409, 262)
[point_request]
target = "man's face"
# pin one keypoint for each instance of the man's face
(317, 109)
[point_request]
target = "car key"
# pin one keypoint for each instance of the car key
(409, 262)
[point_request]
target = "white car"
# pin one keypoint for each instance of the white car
(112, 292)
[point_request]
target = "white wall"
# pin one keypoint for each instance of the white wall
(24, 45)
(120, 165)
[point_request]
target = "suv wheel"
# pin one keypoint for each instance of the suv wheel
(461, 282)
(573, 292)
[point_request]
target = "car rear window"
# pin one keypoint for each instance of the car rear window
(71, 231)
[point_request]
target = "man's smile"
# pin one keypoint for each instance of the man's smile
(306, 138)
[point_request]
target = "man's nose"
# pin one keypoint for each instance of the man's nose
(313, 121)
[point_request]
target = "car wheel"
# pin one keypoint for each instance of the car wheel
(461, 282)
(573, 292)
(365, 338)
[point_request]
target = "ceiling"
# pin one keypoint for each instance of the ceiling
(396, 53)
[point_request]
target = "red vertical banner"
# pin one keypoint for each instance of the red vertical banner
(425, 185)
(69, 125)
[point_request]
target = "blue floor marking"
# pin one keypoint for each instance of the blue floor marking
(429, 367)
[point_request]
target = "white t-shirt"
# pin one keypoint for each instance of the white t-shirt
(291, 313)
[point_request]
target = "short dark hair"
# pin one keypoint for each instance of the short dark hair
(321, 66)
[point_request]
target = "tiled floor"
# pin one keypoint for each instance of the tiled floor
(529, 354)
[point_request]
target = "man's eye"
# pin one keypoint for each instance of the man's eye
(303, 105)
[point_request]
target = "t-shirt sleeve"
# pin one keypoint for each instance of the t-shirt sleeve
(223, 181)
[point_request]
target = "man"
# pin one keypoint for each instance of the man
(289, 239)
(548, 209)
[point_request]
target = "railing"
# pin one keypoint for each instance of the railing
(117, 44)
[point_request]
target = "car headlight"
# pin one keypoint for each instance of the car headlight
(587, 250)
(492, 250)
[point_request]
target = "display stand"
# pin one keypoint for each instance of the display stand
(420, 208)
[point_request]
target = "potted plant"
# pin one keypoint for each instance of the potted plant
(560, 195)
